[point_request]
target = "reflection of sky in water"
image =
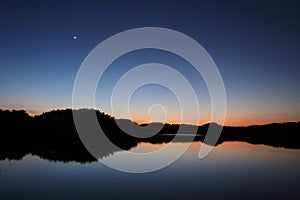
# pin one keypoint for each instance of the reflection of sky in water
(233, 169)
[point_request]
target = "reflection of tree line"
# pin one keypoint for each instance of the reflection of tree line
(53, 136)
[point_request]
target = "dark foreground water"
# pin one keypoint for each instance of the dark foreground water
(232, 170)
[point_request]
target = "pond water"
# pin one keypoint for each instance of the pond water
(231, 170)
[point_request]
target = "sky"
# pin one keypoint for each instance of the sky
(255, 45)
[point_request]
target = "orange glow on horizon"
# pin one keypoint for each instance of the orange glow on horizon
(232, 119)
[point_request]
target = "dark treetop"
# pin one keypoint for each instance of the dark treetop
(53, 136)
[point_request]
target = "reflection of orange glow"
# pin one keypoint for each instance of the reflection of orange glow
(223, 152)
(147, 147)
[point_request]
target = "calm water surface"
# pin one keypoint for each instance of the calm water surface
(232, 170)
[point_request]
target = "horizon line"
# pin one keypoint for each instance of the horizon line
(208, 122)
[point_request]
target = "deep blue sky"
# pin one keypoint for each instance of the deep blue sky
(255, 44)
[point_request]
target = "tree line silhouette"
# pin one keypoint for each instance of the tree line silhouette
(53, 135)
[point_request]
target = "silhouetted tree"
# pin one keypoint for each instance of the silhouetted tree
(53, 135)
